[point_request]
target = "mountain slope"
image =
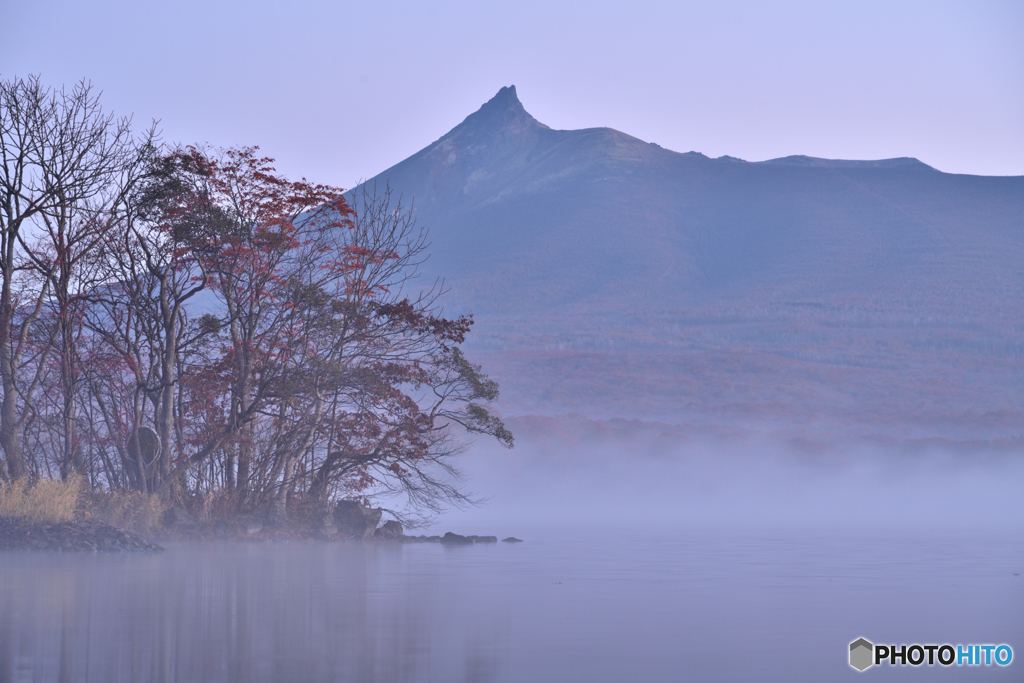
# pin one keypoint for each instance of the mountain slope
(594, 241)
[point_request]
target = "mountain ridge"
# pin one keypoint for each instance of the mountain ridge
(593, 241)
(506, 112)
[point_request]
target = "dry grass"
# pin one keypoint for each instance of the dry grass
(138, 512)
(46, 502)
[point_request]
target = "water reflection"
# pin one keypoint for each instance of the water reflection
(229, 612)
(569, 608)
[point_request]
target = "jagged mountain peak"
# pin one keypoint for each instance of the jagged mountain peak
(505, 97)
(489, 139)
(503, 113)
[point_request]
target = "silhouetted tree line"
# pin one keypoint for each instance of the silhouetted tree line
(185, 320)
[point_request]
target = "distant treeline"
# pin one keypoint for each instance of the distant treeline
(180, 320)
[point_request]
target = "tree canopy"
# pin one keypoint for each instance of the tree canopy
(185, 320)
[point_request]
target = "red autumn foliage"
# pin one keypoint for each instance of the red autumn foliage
(249, 334)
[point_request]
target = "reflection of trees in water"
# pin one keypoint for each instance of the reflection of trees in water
(231, 613)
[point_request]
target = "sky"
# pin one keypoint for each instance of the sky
(338, 91)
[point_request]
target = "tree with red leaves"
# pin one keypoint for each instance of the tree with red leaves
(312, 369)
(189, 322)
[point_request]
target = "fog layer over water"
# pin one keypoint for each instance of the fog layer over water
(574, 471)
(651, 554)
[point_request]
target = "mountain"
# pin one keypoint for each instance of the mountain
(611, 276)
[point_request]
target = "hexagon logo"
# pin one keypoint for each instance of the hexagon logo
(862, 654)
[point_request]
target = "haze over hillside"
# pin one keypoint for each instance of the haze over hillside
(612, 277)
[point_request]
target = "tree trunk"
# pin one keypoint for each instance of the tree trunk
(10, 433)
(165, 410)
(71, 460)
(10, 428)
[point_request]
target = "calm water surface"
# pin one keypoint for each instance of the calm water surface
(563, 606)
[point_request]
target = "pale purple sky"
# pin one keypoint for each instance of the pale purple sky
(339, 91)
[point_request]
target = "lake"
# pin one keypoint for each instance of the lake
(565, 605)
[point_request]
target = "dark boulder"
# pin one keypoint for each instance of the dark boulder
(390, 530)
(511, 539)
(356, 521)
(455, 539)
(421, 539)
(483, 539)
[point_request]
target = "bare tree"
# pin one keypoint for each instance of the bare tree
(149, 271)
(314, 367)
(58, 151)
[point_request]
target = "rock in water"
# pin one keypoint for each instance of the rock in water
(511, 539)
(455, 539)
(483, 539)
(356, 521)
(390, 530)
(421, 539)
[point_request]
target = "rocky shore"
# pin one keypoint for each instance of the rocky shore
(348, 521)
(71, 536)
(455, 539)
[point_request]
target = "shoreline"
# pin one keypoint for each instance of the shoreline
(92, 536)
(72, 537)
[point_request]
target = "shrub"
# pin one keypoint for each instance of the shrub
(48, 501)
